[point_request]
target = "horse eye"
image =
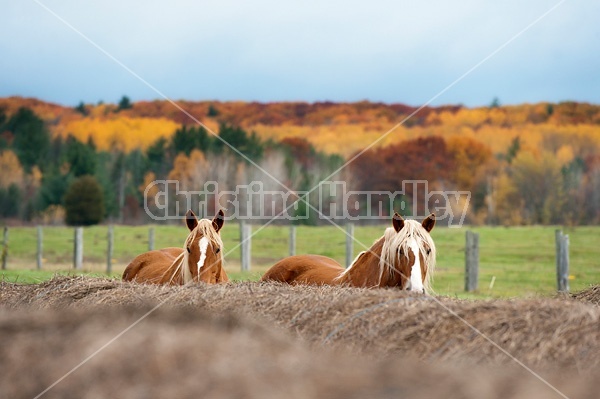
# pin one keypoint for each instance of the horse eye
(217, 250)
(428, 251)
(188, 249)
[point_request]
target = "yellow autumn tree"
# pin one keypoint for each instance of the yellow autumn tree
(190, 171)
(12, 171)
(149, 178)
(504, 203)
(539, 182)
(123, 133)
(470, 156)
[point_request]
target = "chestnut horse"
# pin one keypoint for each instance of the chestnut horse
(200, 259)
(404, 257)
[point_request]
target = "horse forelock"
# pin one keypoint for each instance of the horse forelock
(393, 241)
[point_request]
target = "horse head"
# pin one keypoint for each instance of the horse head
(408, 253)
(203, 249)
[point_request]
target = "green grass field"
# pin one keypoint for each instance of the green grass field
(521, 260)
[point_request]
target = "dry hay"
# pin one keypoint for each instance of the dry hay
(551, 333)
(183, 350)
(187, 353)
(590, 295)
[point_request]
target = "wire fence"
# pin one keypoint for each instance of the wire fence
(500, 257)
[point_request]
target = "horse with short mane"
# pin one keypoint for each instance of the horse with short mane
(200, 259)
(404, 257)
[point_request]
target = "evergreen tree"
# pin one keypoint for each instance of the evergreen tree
(203, 139)
(187, 139)
(254, 147)
(513, 150)
(10, 201)
(82, 109)
(84, 202)
(56, 152)
(3, 141)
(182, 141)
(136, 166)
(109, 187)
(124, 103)
(212, 111)
(53, 189)
(31, 138)
(2, 118)
(118, 179)
(158, 157)
(81, 157)
(249, 145)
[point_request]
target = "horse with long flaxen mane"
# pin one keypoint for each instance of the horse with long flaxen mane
(404, 257)
(200, 259)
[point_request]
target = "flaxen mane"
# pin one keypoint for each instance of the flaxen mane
(393, 241)
(206, 229)
(390, 254)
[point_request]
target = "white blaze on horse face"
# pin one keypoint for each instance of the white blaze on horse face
(416, 279)
(203, 244)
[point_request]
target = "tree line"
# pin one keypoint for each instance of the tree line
(54, 178)
(57, 178)
(544, 185)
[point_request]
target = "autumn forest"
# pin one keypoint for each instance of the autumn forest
(522, 164)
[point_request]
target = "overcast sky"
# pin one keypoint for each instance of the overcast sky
(274, 50)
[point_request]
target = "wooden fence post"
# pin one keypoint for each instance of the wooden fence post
(471, 261)
(111, 239)
(5, 248)
(246, 245)
(151, 239)
(292, 240)
(40, 247)
(562, 261)
(565, 263)
(349, 244)
(78, 248)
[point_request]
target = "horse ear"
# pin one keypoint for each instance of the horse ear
(219, 220)
(191, 220)
(397, 222)
(429, 222)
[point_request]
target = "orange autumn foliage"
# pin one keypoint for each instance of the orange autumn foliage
(341, 128)
(469, 156)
